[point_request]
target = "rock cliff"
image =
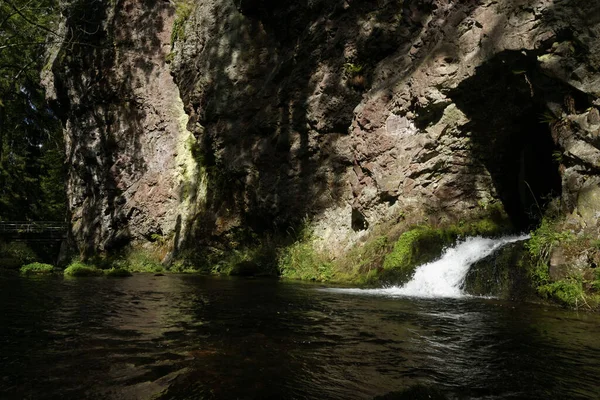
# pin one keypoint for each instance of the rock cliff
(215, 121)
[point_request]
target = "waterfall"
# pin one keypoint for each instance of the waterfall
(444, 277)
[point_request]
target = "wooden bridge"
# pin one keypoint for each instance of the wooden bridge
(46, 231)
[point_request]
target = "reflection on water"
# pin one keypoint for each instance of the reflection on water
(178, 337)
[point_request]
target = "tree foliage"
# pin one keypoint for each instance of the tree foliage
(31, 143)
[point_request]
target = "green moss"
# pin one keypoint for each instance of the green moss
(37, 269)
(415, 247)
(117, 273)
(77, 268)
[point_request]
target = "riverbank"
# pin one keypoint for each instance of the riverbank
(387, 256)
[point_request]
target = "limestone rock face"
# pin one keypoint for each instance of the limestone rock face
(351, 113)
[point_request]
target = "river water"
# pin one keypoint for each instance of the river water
(193, 337)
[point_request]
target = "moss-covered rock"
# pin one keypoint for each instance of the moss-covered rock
(78, 269)
(502, 274)
(415, 247)
(37, 269)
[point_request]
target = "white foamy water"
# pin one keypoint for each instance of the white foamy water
(444, 277)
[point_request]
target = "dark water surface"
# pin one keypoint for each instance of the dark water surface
(191, 337)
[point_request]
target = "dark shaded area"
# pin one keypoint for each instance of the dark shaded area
(32, 184)
(359, 222)
(507, 100)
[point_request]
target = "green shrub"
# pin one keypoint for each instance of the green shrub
(37, 269)
(117, 273)
(538, 272)
(77, 268)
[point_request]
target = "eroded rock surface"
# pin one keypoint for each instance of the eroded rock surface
(351, 113)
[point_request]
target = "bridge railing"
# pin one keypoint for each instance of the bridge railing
(21, 227)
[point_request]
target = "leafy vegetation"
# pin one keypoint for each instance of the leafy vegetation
(31, 144)
(416, 246)
(353, 69)
(37, 269)
(390, 254)
(140, 260)
(16, 254)
(574, 290)
(545, 237)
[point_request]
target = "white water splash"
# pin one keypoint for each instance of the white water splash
(444, 277)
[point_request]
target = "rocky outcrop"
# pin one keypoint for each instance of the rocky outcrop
(130, 166)
(351, 113)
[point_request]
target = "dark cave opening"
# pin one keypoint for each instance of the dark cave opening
(507, 103)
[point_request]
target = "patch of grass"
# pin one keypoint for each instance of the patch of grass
(568, 292)
(37, 268)
(140, 260)
(301, 261)
(246, 257)
(355, 75)
(365, 258)
(77, 268)
(575, 291)
(539, 274)
(117, 273)
(545, 237)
